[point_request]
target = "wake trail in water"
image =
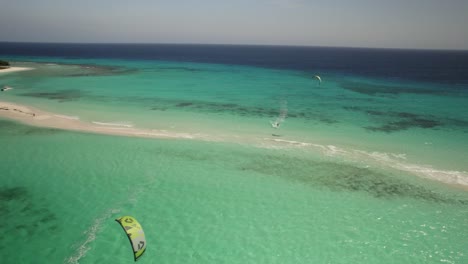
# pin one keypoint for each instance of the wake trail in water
(283, 113)
(92, 232)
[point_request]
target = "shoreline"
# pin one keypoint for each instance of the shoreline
(14, 69)
(39, 118)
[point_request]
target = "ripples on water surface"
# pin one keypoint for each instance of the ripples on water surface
(212, 202)
(337, 183)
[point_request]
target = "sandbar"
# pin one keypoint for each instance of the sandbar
(14, 69)
(36, 117)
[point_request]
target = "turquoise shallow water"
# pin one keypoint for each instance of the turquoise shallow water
(343, 182)
(209, 202)
(424, 121)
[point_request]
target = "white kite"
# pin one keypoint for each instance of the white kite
(318, 78)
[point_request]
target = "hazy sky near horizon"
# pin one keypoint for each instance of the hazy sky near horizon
(426, 24)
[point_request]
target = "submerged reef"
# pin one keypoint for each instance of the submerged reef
(394, 121)
(344, 177)
(61, 96)
(27, 215)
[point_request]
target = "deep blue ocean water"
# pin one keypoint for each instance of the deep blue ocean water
(441, 66)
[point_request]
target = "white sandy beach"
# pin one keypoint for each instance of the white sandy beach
(14, 69)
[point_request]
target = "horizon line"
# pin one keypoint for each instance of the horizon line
(228, 44)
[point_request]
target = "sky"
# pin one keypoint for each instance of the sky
(419, 24)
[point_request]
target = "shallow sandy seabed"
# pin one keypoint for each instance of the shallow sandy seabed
(35, 117)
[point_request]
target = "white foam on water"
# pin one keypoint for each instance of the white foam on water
(118, 128)
(423, 170)
(400, 156)
(397, 161)
(292, 142)
(331, 150)
(91, 234)
(68, 117)
(118, 124)
(156, 133)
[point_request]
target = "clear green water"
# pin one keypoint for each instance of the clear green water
(209, 203)
(329, 190)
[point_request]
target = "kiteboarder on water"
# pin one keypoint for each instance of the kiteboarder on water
(275, 124)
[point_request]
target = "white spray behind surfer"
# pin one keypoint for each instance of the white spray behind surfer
(282, 115)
